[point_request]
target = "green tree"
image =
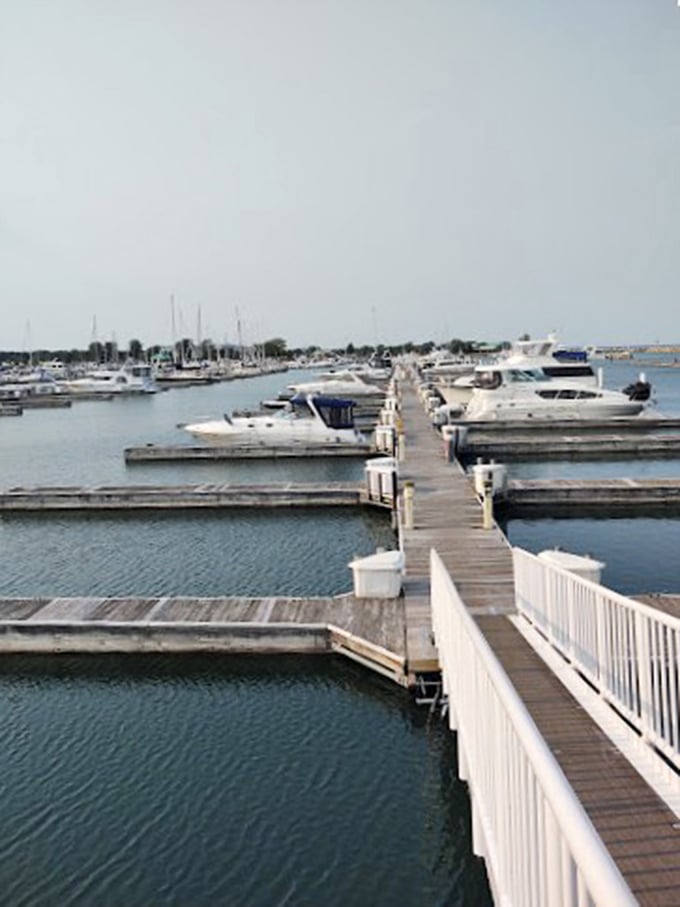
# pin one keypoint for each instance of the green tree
(276, 348)
(135, 350)
(95, 351)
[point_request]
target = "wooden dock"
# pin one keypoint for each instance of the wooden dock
(178, 497)
(157, 453)
(369, 631)
(640, 831)
(609, 496)
(448, 518)
(630, 426)
(558, 445)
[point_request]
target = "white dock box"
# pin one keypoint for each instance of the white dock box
(495, 473)
(378, 575)
(585, 567)
(380, 474)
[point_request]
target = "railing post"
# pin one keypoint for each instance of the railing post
(644, 670)
(603, 672)
(487, 503)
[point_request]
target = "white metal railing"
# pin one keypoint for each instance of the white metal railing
(540, 848)
(628, 651)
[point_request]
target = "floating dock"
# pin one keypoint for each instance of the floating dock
(157, 453)
(557, 445)
(634, 425)
(178, 497)
(369, 631)
(604, 496)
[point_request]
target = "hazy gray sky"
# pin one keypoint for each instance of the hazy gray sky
(340, 170)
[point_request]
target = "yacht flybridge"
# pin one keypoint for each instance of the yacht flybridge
(307, 419)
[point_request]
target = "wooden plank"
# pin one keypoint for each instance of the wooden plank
(447, 517)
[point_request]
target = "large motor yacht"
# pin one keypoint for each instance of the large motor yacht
(131, 378)
(306, 419)
(547, 355)
(506, 393)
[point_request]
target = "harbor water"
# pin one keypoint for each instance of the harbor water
(208, 780)
(223, 780)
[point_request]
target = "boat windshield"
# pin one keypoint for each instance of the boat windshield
(491, 379)
(336, 413)
(518, 375)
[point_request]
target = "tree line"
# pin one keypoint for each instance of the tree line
(187, 350)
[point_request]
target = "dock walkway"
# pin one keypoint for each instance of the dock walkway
(640, 831)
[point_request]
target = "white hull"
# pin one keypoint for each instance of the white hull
(259, 431)
(300, 424)
(509, 412)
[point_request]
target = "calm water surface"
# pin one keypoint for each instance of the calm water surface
(208, 781)
(143, 781)
(223, 781)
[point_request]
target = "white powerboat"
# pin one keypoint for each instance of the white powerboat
(337, 384)
(547, 355)
(505, 393)
(131, 378)
(306, 419)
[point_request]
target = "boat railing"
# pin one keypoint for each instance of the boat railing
(627, 650)
(539, 845)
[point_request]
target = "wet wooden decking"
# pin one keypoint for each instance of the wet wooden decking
(640, 831)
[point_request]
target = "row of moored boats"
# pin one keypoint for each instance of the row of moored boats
(536, 380)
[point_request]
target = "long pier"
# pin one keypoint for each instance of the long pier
(640, 832)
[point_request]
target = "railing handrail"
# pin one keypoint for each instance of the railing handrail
(630, 604)
(599, 871)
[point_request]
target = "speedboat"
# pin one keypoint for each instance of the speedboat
(340, 384)
(306, 419)
(505, 393)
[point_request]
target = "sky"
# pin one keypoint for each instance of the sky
(339, 171)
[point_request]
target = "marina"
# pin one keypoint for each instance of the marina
(399, 639)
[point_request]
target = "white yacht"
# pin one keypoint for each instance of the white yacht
(546, 355)
(131, 378)
(340, 384)
(506, 393)
(306, 419)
